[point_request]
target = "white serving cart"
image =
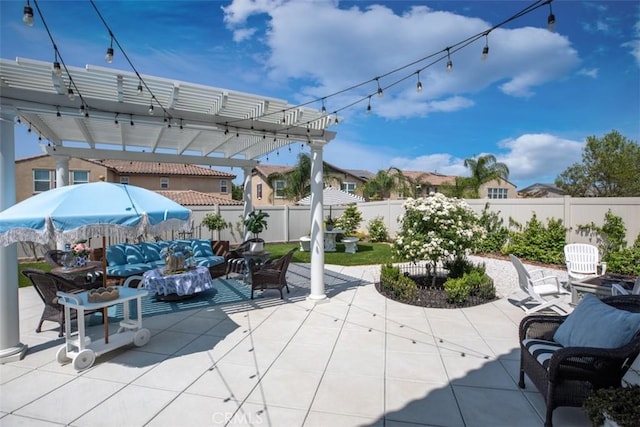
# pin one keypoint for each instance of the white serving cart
(79, 347)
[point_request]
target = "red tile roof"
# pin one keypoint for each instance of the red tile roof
(156, 168)
(430, 177)
(196, 198)
(267, 170)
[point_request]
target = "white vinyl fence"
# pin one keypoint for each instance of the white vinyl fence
(289, 223)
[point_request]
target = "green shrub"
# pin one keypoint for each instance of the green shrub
(537, 242)
(625, 261)
(350, 220)
(377, 230)
(458, 267)
(457, 290)
(497, 233)
(476, 282)
(401, 287)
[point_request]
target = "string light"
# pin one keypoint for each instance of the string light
(380, 91)
(181, 125)
(139, 91)
(109, 56)
(58, 115)
(449, 62)
(324, 109)
(56, 64)
(131, 119)
(70, 94)
(150, 110)
(27, 17)
(551, 20)
(419, 84)
(485, 49)
(115, 120)
(369, 106)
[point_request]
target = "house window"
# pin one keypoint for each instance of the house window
(42, 180)
(259, 191)
(278, 189)
(124, 180)
(497, 193)
(79, 177)
(348, 187)
(164, 183)
(224, 186)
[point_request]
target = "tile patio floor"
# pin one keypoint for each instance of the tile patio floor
(356, 360)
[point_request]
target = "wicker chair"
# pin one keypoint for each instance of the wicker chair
(54, 257)
(570, 374)
(46, 285)
(271, 274)
(235, 261)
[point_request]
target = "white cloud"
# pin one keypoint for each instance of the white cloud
(593, 72)
(539, 157)
(634, 45)
(341, 47)
(443, 163)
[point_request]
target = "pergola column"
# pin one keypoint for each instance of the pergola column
(62, 180)
(317, 229)
(11, 348)
(246, 197)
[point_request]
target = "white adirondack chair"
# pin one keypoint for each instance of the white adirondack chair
(537, 289)
(617, 289)
(582, 261)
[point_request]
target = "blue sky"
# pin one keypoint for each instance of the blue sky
(532, 102)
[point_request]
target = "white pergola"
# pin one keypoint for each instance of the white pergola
(190, 123)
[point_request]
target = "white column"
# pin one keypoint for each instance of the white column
(317, 230)
(246, 197)
(11, 348)
(62, 171)
(62, 180)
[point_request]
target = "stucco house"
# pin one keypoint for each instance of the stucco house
(186, 184)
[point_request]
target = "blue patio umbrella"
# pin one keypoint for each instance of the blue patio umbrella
(76, 212)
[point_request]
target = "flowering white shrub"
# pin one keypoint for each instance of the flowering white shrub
(437, 229)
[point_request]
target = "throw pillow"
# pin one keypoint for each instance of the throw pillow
(596, 324)
(201, 248)
(116, 255)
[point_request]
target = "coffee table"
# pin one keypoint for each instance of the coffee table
(599, 285)
(172, 287)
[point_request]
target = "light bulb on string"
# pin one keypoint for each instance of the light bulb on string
(419, 84)
(109, 56)
(380, 91)
(369, 106)
(150, 110)
(324, 109)
(139, 90)
(70, 94)
(485, 49)
(27, 16)
(449, 62)
(58, 115)
(551, 20)
(56, 64)
(115, 120)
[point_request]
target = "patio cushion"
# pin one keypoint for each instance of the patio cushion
(153, 250)
(134, 254)
(542, 350)
(127, 270)
(596, 324)
(201, 248)
(116, 255)
(208, 261)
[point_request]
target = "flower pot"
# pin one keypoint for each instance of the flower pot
(256, 246)
(81, 261)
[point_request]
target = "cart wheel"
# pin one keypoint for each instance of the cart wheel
(84, 360)
(61, 355)
(141, 337)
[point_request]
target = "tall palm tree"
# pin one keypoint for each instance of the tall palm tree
(380, 186)
(484, 169)
(297, 183)
(460, 188)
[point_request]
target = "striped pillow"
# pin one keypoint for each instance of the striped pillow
(542, 350)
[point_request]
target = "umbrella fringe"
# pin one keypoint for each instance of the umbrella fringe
(25, 235)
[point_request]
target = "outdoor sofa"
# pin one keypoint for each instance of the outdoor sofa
(127, 259)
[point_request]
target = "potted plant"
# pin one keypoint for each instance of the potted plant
(256, 222)
(215, 222)
(618, 406)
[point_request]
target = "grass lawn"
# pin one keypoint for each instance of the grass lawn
(368, 253)
(22, 279)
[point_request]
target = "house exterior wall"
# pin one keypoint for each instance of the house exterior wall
(25, 184)
(498, 184)
(25, 168)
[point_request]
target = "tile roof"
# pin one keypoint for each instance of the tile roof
(156, 168)
(430, 177)
(196, 198)
(267, 170)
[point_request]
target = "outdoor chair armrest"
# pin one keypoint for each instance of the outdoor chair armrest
(545, 278)
(540, 326)
(603, 268)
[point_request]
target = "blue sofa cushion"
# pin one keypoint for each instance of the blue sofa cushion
(126, 270)
(116, 255)
(153, 250)
(201, 248)
(208, 261)
(596, 324)
(134, 254)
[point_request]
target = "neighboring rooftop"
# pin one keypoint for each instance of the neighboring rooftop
(158, 168)
(196, 198)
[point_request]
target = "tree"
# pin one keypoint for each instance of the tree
(236, 191)
(461, 188)
(380, 186)
(610, 168)
(484, 169)
(297, 183)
